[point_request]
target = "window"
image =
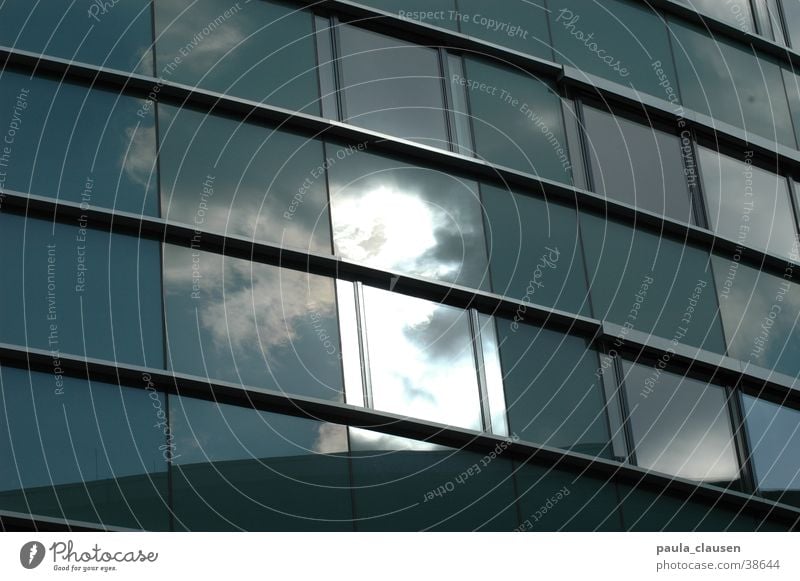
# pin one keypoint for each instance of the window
(432, 12)
(263, 51)
(80, 291)
(241, 469)
(79, 145)
(736, 13)
(774, 435)
(517, 120)
(792, 82)
(748, 204)
(637, 164)
(117, 36)
(749, 95)
(243, 179)
(553, 394)
(680, 426)
(791, 12)
(415, 220)
(82, 450)
(252, 324)
(516, 24)
(651, 284)
(392, 86)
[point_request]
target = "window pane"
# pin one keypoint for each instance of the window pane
(651, 284)
(517, 121)
(553, 393)
(618, 40)
(680, 426)
(774, 433)
(516, 24)
(397, 486)
(263, 51)
(792, 83)
(82, 450)
(736, 13)
(252, 324)
(415, 220)
(637, 164)
(80, 145)
(791, 12)
(731, 84)
(240, 469)
(116, 36)
(748, 204)
(535, 250)
(80, 291)
(433, 12)
(760, 314)
(243, 179)
(421, 359)
(392, 86)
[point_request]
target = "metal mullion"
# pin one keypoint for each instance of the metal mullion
(363, 346)
(480, 364)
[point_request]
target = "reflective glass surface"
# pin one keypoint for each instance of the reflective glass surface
(774, 436)
(792, 83)
(115, 35)
(392, 86)
(252, 324)
(680, 426)
(517, 120)
(80, 291)
(243, 179)
(434, 12)
(240, 469)
(421, 359)
(637, 164)
(82, 450)
(791, 12)
(80, 145)
(736, 13)
(415, 220)
(263, 51)
(748, 204)
(516, 24)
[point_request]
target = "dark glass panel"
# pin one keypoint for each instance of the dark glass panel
(516, 24)
(791, 12)
(433, 12)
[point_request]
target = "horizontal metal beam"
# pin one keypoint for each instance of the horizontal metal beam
(19, 521)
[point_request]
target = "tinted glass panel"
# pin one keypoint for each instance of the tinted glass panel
(747, 203)
(243, 179)
(637, 164)
(434, 12)
(240, 469)
(80, 291)
(92, 452)
(252, 324)
(397, 486)
(517, 24)
(114, 35)
(392, 86)
(262, 50)
(651, 283)
(736, 13)
(619, 40)
(792, 82)
(517, 120)
(411, 219)
(421, 359)
(553, 394)
(535, 250)
(791, 12)
(774, 440)
(760, 313)
(89, 147)
(680, 426)
(731, 83)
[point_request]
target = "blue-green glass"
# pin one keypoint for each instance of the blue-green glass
(262, 51)
(731, 83)
(434, 12)
(619, 40)
(651, 283)
(80, 291)
(736, 13)
(554, 393)
(80, 145)
(516, 24)
(534, 250)
(517, 120)
(252, 324)
(242, 179)
(759, 312)
(240, 469)
(791, 14)
(82, 450)
(774, 438)
(792, 82)
(117, 35)
(406, 485)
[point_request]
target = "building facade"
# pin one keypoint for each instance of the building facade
(400, 265)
